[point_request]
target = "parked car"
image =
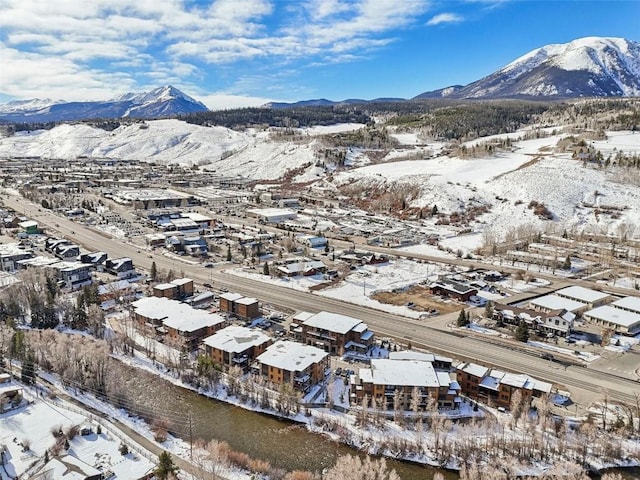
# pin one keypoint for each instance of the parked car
(207, 285)
(338, 371)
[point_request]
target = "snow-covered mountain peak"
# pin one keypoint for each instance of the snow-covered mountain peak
(35, 104)
(161, 102)
(581, 54)
(585, 67)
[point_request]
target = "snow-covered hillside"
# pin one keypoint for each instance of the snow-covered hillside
(577, 195)
(585, 67)
(506, 182)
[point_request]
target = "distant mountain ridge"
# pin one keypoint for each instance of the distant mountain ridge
(586, 67)
(162, 102)
(323, 102)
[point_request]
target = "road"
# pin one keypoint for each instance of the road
(417, 332)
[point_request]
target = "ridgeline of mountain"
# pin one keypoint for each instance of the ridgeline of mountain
(162, 102)
(323, 102)
(586, 67)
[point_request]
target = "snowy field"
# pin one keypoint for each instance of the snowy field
(34, 423)
(358, 286)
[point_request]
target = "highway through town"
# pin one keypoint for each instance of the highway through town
(404, 330)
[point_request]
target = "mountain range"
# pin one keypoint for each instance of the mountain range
(162, 102)
(586, 67)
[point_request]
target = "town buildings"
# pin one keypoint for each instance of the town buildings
(337, 334)
(292, 363)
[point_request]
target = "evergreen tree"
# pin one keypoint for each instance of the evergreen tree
(79, 314)
(154, 271)
(463, 319)
(18, 348)
(488, 310)
(265, 268)
(166, 469)
(28, 374)
(522, 332)
(228, 253)
(90, 294)
(566, 265)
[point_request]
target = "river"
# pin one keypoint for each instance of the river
(283, 443)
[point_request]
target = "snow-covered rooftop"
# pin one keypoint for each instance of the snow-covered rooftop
(291, 356)
(174, 314)
(230, 296)
(617, 316)
(333, 322)
(555, 302)
(408, 373)
(628, 303)
(582, 294)
(246, 301)
(474, 369)
(236, 339)
(412, 355)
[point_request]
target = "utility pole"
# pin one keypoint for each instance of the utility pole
(190, 435)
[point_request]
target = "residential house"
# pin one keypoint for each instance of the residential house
(393, 383)
(496, 387)
(97, 259)
(293, 363)
(452, 289)
(177, 289)
(11, 254)
(51, 243)
(245, 308)
(67, 467)
(308, 268)
(120, 267)
(73, 275)
(110, 294)
(67, 251)
(10, 392)
(236, 346)
(337, 334)
(554, 322)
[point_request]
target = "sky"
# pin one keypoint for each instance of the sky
(234, 53)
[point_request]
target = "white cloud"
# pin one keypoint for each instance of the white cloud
(445, 18)
(88, 45)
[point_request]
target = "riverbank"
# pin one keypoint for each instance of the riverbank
(428, 444)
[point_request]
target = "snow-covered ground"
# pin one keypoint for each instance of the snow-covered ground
(33, 424)
(532, 170)
(358, 286)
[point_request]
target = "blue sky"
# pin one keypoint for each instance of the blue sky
(244, 52)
